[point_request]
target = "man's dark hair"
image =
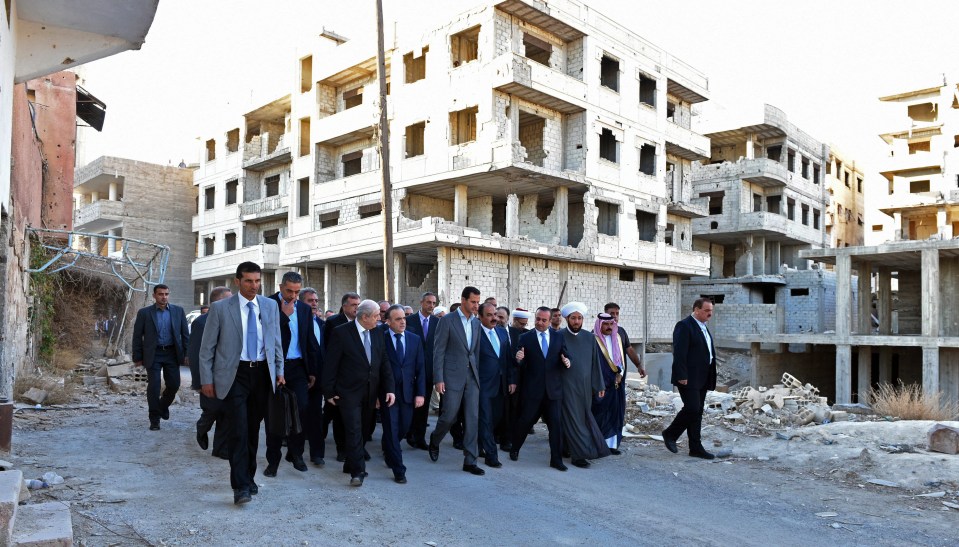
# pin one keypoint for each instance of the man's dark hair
(485, 305)
(424, 295)
(217, 293)
(698, 304)
(504, 308)
(545, 309)
(381, 302)
(204, 307)
(159, 286)
(395, 307)
(291, 277)
(489, 299)
(610, 306)
(349, 296)
(455, 306)
(470, 291)
(553, 310)
(247, 267)
(306, 291)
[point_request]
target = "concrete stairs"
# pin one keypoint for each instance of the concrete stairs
(34, 525)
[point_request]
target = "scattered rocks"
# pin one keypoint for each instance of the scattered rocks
(944, 438)
(882, 482)
(35, 395)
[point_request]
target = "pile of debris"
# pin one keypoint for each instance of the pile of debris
(119, 373)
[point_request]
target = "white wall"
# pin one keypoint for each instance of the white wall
(8, 55)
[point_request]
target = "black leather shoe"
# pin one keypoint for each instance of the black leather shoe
(482, 453)
(474, 469)
(701, 453)
(366, 455)
(615, 451)
(241, 496)
(582, 464)
(422, 445)
(560, 466)
(340, 458)
(299, 464)
(254, 489)
(202, 439)
(318, 461)
(514, 455)
(270, 470)
(400, 479)
(434, 452)
(356, 481)
(506, 447)
(495, 464)
(154, 426)
(670, 444)
(165, 413)
(458, 445)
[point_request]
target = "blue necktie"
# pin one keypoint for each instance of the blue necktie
(366, 347)
(251, 341)
(400, 352)
(426, 327)
(494, 340)
(542, 343)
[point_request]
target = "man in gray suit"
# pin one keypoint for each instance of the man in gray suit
(241, 363)
(455, 371)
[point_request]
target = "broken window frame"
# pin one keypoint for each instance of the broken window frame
(463, 128)
(414, 66)
(303, 196)
(541, 47)
(415, 139)
(352, 163)
(353, 98)
(609, 72)
(607, 218)
(232, 191)
(647, 90)
(464, 46)
(647, 159)
(608, 146)
(271, 186)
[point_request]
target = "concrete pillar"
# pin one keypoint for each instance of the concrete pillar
(949, 375)
(399, 278)
(759, 255)
(112, 243)
(113, 191)
(750, 153)
(844, 374)
(744, 263)
(930, 292)
(884, 307)
(561, 213)
(865, 374)
(460, 205)
(864, 289)
(754, 348)
(362, 277)
(885, 365)
(773, 257)
(897, 225)
(930, 369)
(443, 259)
(94, 197)
(512, 216)
(843, 299)
(328, 288)
(941, 225)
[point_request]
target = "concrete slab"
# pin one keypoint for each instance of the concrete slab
(659, 368)
(10, 484)
(44, 525)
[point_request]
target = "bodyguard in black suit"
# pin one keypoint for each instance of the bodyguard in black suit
(694, 373)
(314, 420)
(331, 414)
(496, 374)
(300, 358)
(541, 387)
(405, 352)
(416, 323)
(354, 369)
(160, 341)
(211, 409)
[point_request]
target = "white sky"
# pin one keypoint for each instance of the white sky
(824, 63)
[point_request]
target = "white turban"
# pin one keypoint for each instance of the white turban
(520, 313)
(574, 307)
(439, 309)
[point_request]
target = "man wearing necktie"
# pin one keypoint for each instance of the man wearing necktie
(405, 352)
(496, 370)
(423, 324)
(314, 421)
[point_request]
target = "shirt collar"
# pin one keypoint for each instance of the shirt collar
(487, 330)
(359, 327)
(243, 298)
(701, 324)
(394, 333)
(422, 317)
(463, 317)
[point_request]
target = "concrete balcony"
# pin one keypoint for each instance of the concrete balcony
(685, 143)
(279, 156)
(692, 208)
(903, 201)
(265, 209)
(98, 215)
(347, 125)
(759, 171)
(730, 228)
(910, 162)
(224, 264)
(512, 73)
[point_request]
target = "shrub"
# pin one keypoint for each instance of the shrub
(908, 402)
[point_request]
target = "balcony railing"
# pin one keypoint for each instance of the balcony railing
(221, 264)
(265, 208)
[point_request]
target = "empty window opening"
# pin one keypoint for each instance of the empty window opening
(229, 242)
(859, 220)
(716, 203)
(715, 298)
(531, 131)
(415, 67)
(329, 219)
(845, 178)
(804, 214)
(304, 137)
(647, 159)
(232, 140)
(210, 150)
(306, 74)
(925, 112)
(714, 225)
(371, 210)
(608, 147)
(627, 275)
(919, 146)
(859, 184)
(815, 218)
(352, 163)
(272, 185)
(805, 167)
(414, 139)
(465, 46)
(757, 203)
(463, 125)
(536, 49)
(798, 292)
(769, 294)
(775, 152)
(668, 235)
(352, 98)
(647, 90)
(231, 191)
(303, 196)
(791, 209)
(955, 141)
(271, 237)
(918, 186)
(660, 279)
(815, 173)
(543, 208)
(772, 204)
(791, 161)
(647, 225)
(608, 220)
(609, 73)
(877, 227)
(208, 246)
(209, 198)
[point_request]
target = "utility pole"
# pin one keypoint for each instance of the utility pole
(387, 200)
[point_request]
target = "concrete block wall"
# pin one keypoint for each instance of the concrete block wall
(479, 214)
(663, 307)
(325, 100)
(575, 143)
(426, 274)
(732, 319)
(531, 226)
(341, 280)
(416, 206)
(817, 368)
(910, 302)
(537, 282)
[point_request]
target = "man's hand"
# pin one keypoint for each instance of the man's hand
(642, 371)
(280, 381)
(208, 390)
(602, 394)
(186, 361)
(512, 389)
(565, 360)
(441, 387)
(288, 307)
(333, 400)
(682, 382)
(419, 401)
(520, 354)
(312, 380)
(138, 363)
(390, 399)
(377, 405)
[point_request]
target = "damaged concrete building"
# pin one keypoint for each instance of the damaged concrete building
(845, 213)
(540, 152)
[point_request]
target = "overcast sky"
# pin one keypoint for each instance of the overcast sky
(824, 63)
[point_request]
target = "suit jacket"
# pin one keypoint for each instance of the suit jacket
(331, 323)
(538, 373)
(222, 342)
(496, 372)
(196, 336)
(409, 376)
(309, 348)
(414, 325)
(320, 344)
(691, 360)
(453, 359)
(145, 334)
(347, 373)
(514, 334)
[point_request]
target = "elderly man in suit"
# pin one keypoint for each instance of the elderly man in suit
(331, 414)
(161, 337)
(241, 363)
(497, 380)
(694, 373)
(405, 352)
(211, 411)
(423, 324)
(542, 365)
(455, 371)
(354, 369)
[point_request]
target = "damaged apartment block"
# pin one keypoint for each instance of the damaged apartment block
(534, 156)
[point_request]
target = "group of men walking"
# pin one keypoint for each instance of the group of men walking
(495, 380)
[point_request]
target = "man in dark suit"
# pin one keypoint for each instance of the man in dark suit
(299, 367)
(423, 324)
(314, 420)
(210, 409)
(694, 373)
(160, 341)
(354, 369)
(496, 373)
(405, 352)
(504, 432)
(331, 414)
(541, 364)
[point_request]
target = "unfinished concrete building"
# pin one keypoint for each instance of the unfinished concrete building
(845, 212)
(537, 151)
(138, 200)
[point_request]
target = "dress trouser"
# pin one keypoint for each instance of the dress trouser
(396, 423)
(164, 362)
(246, 406)
(212, 413)
(532, 407)
(490, 412)
(465, 397)
(689, 418)
(357, 415)
(297, 380)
